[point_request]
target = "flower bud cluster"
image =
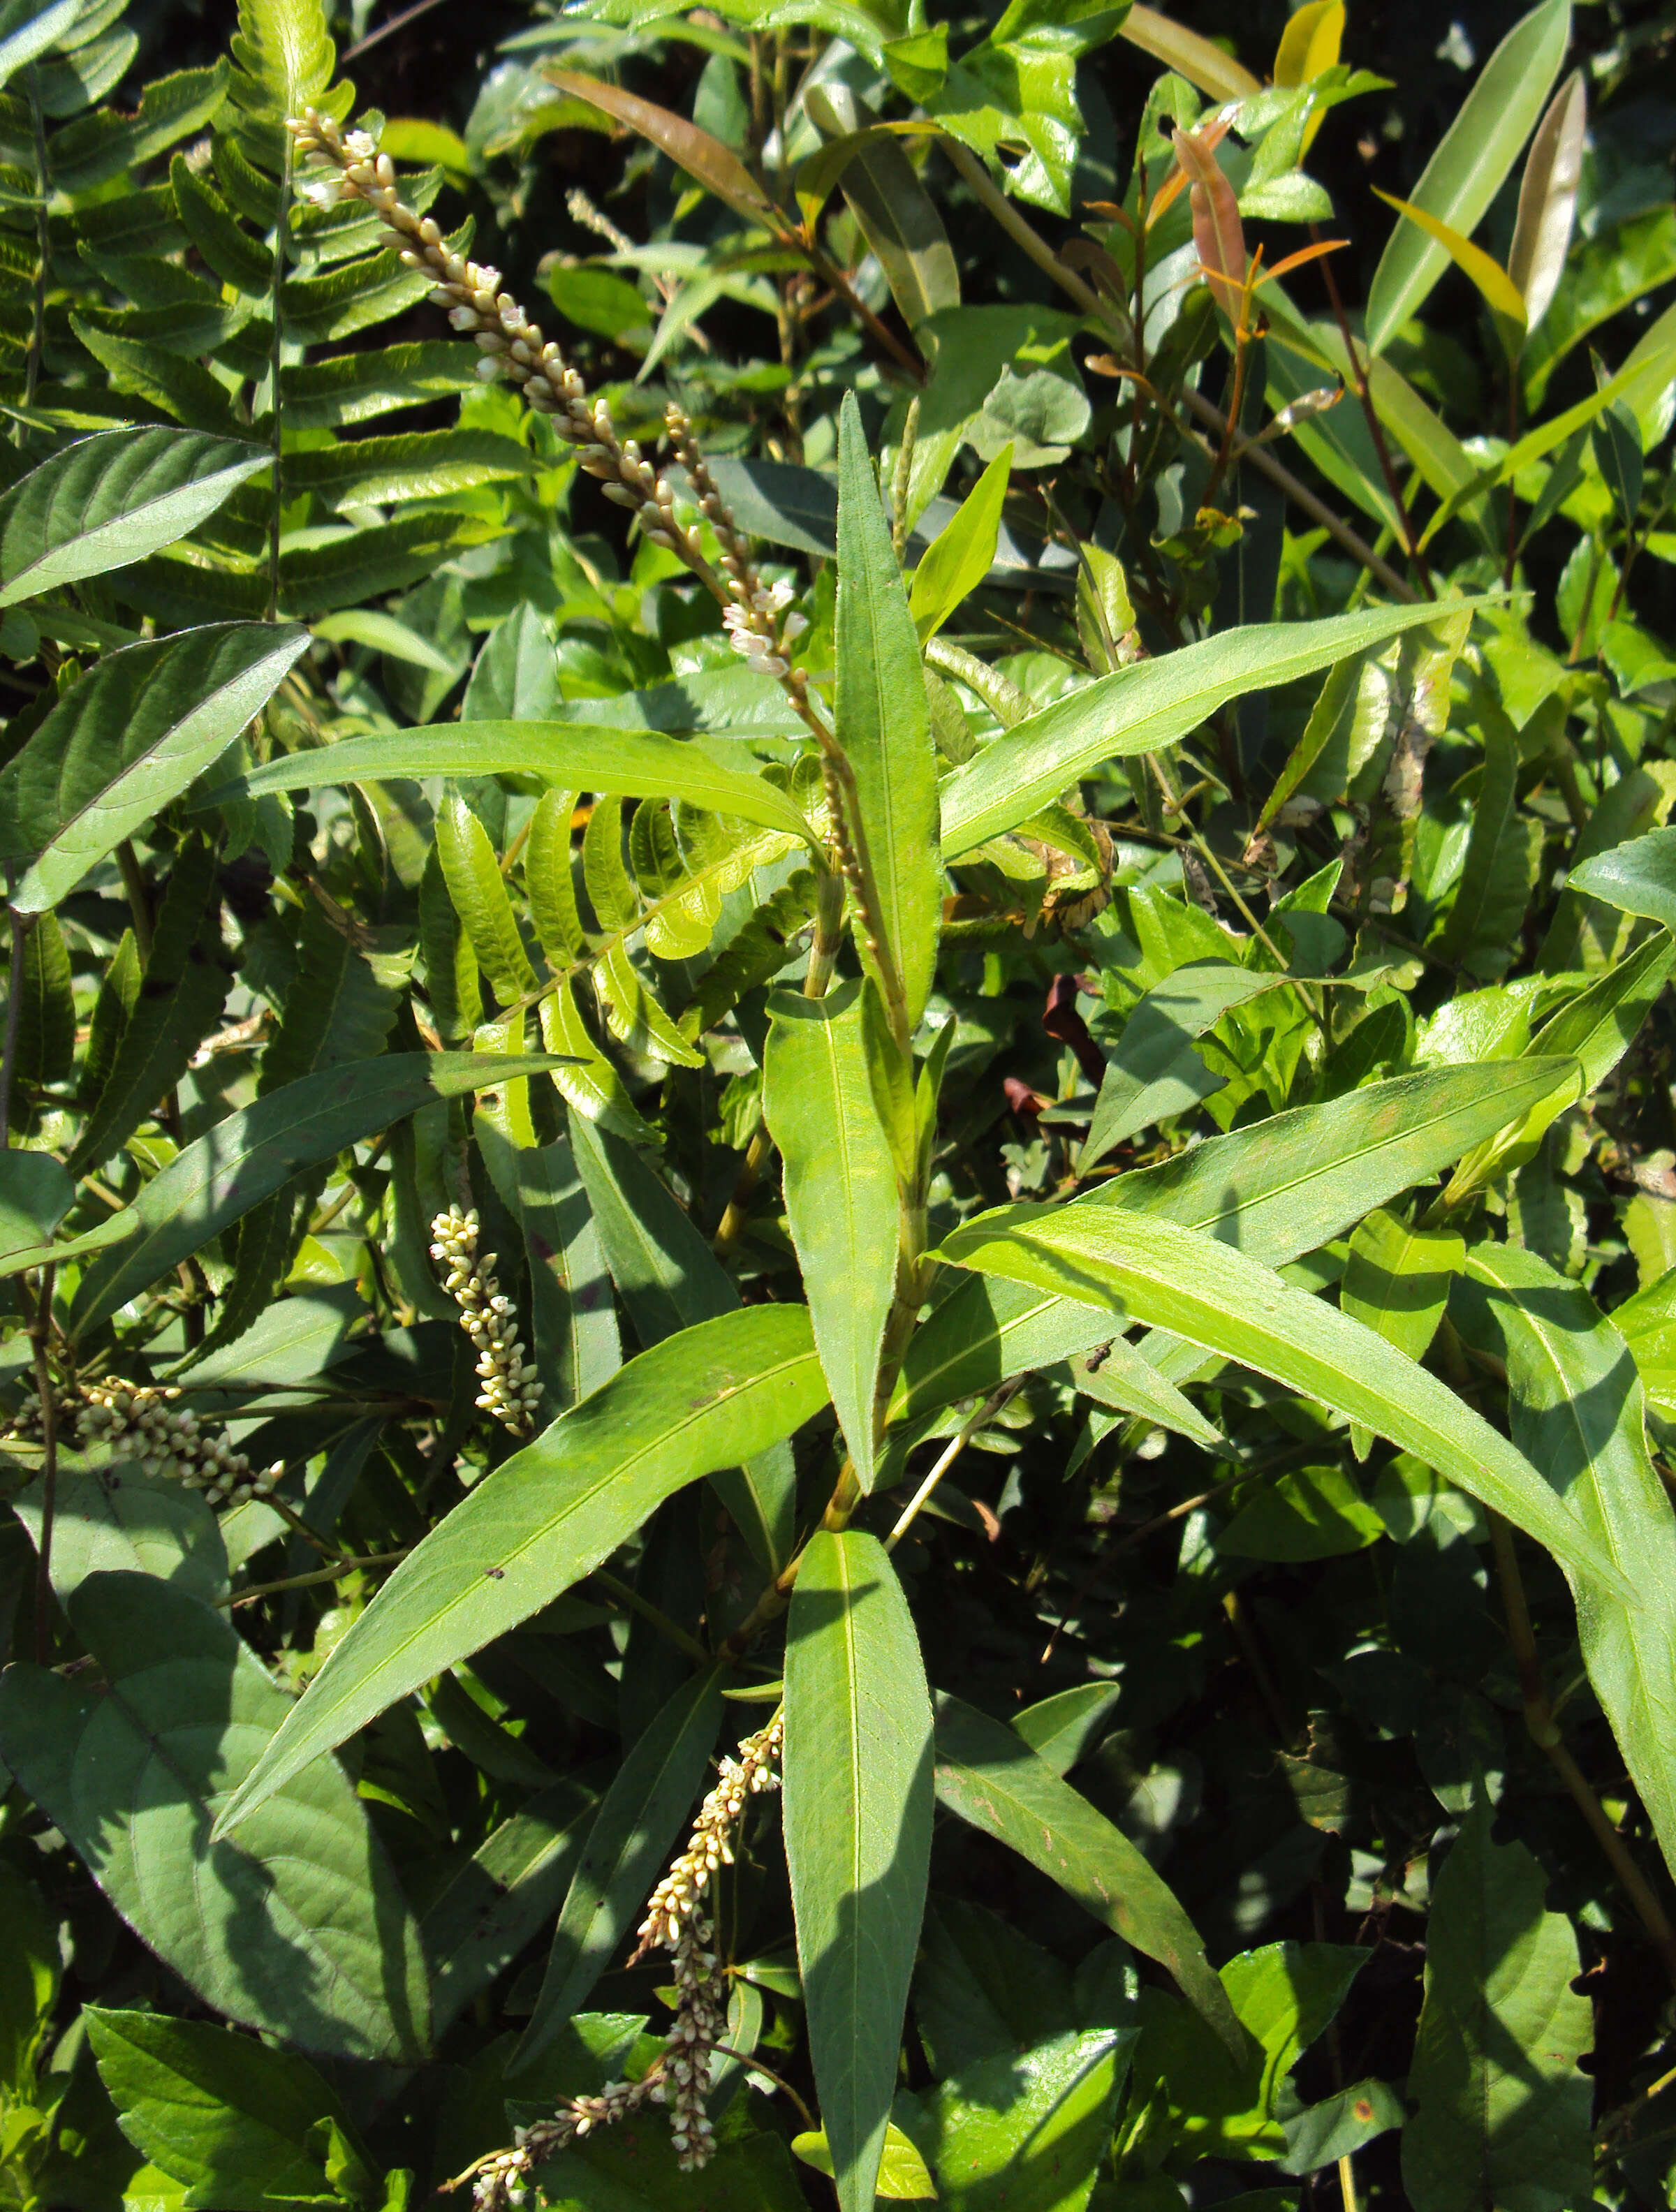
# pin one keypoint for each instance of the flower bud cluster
(680, 2079)
(677, 1897)
(151, 1426)
(515, 348)
(511, 1390)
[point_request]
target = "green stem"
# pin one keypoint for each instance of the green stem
(630, 1599)
(32, 359)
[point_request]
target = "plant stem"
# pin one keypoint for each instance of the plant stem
(40, 1328)
(956, 1444)
(630, 1599)
(339, 1569)
(1543, 1731)
(139, 899)
(1363, 393)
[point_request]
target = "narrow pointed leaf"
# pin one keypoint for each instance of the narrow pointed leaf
(111, 499)
(1469, 166)
(1142, 709)
(1576, 1409)
(858, 1816)
(1184, 1281)
(1208, 67)
(841, 1194)
(1500, 292)
(1548, 199)
(1280, 1188)
(639, 1822)
(638, 763)
(703, 157)
(962, 555)
(993, 1780)
(697, 1402)
(126, 741)
(1637, 877)
(216, 1180)
(883, 726)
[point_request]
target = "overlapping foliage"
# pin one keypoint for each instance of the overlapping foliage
(907, 1005)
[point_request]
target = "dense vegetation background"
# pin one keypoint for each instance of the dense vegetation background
(993, 902)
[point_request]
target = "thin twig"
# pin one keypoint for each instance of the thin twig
(956, 1444)
(389, 30)
(630, 1599)
(1363, 393)
(335, 1572)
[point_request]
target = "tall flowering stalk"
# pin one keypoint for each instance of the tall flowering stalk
(511, 1387)
(516, 349)
(680, 2078)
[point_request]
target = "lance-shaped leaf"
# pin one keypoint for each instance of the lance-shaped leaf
(1473, 157)
(1207, 67)
(638, 763)
(1638, 876)
(700, 1401)
(1548, 199)
(1575, 1407)
(1501, 294)
(883, 725)
(994, 1781)
(702, 157)
(42, 31)
(638, 1820)
(1144, 708)
(1217, 234)
(1282, 1187)
(298, 1928)
(963, 553)
(1184, 1281)
(216, 1180)
(841, 1194)
(858, 1784)
(1502, 2112)
(113, 498)
(126, 741)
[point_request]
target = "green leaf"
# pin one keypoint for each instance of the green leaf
(621, 2170)
(639, 1822)
(1144, 708)
(215, 1181)
(298, 1928)
(1575, 1405)
(990, 1777)
(883, 725)
(638, 763)
(897, 215)
(1595, 1030)
(1185, 1281)
(126, 741)
(1027, 2130)
(901, 2173)
(1284, 1186)
(111, 499)
(35, 1193)
(1154, 1073)
(348, 388)
(963, 553)
(573, 1323)
(1317, 1513)
(234, 2120)
(36, 37)
(669, 1279)
(1470, 163)
(841, 1194)
(120, 1520)
(1502, 2112)
(1397, 1280)
(1499, 292)
(479, 893)
(700, 1401)
(1637, 877)
(857, 1818)
(1503, 856)
(503, 1897)
(178, 1002)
